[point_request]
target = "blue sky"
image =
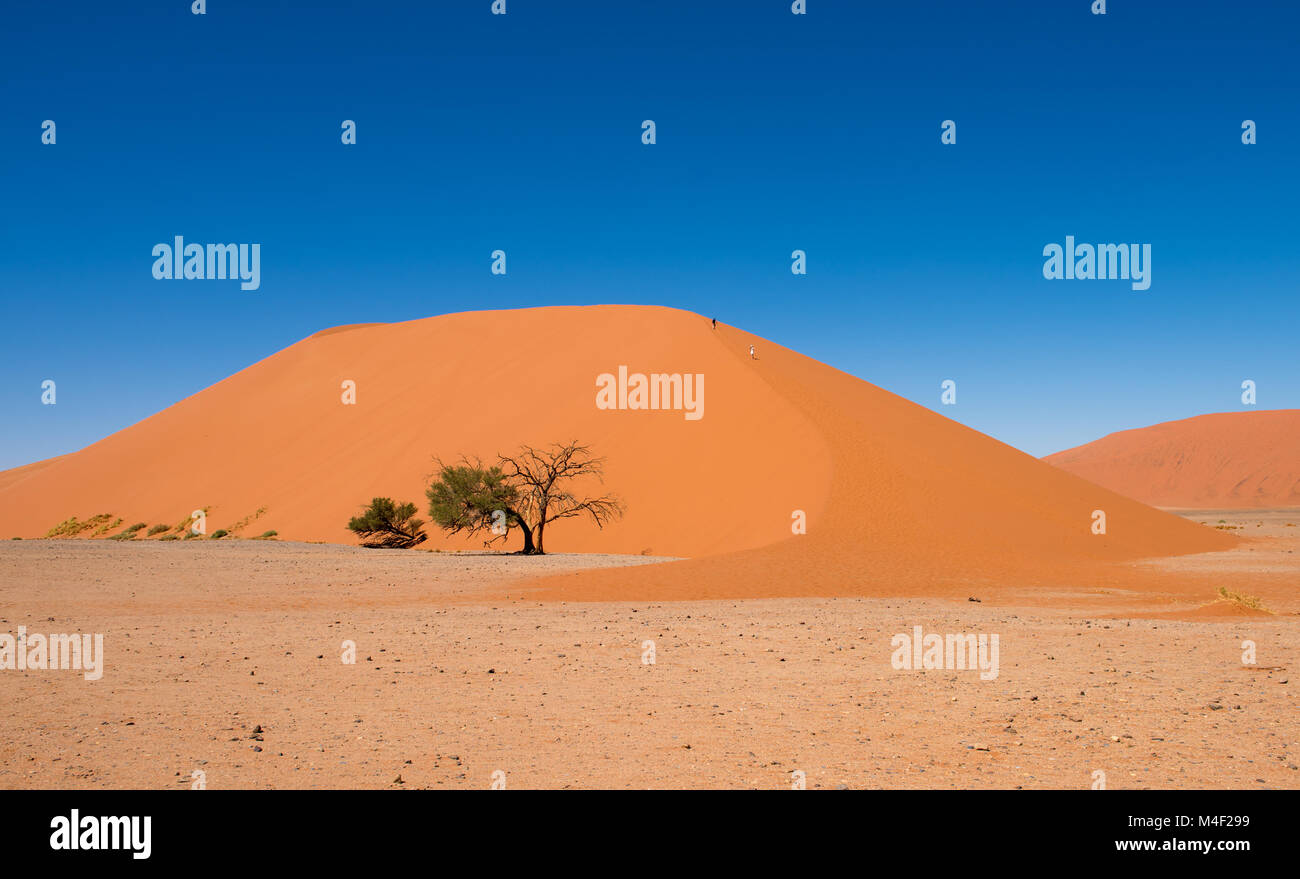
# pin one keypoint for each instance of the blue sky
(775, 132)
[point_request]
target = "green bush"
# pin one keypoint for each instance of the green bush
(157, 529)
(219, 533)
(388, 525)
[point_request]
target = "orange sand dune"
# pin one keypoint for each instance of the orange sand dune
(1227, 461)
(894, 493)
(277, 435)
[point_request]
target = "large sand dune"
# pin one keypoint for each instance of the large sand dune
(1229, 460)
(893, 492)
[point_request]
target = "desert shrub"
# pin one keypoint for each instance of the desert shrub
(157, 529)
(106, 527)
(219, 533)
(388, 525)
(170, 537)
(66, 528)
(242, 523)
(1248, 601)
(129, 533)
(266, 535)
(73, 527)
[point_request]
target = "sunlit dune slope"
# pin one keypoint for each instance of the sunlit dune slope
(277, 435)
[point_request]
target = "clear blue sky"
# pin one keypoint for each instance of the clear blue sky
(775, 132)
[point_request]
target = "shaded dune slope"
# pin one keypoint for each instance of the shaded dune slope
(918, 504)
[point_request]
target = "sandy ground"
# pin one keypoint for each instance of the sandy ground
(1283, 523)
(461, 673)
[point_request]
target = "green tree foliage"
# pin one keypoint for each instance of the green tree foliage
(469, 497)
(388, 524)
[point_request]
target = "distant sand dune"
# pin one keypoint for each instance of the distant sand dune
(1230, 460)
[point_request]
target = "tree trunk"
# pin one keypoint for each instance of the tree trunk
(528, 549)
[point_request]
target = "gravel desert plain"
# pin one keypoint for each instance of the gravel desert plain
(759, 617)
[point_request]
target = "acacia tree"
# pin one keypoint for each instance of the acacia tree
(472, 498)
(388, 525)
(528, 490)
(542, 477)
